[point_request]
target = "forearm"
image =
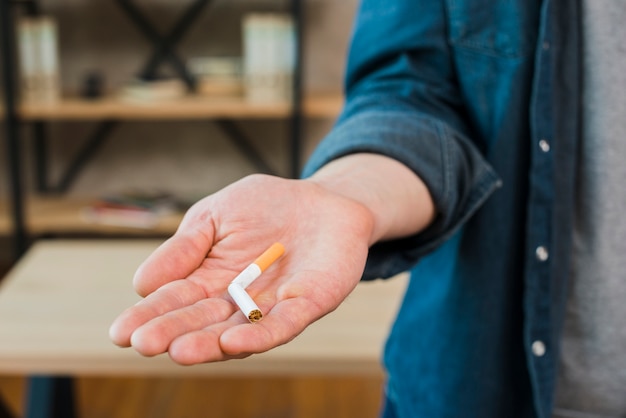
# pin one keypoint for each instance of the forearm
(398, 200)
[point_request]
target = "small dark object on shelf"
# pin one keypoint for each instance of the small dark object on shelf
(93, 86)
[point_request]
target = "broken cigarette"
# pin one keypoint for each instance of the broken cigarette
(237, 288)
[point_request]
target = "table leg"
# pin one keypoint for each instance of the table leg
(4, 410)
(50, 397)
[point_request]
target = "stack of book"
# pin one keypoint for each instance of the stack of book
(155, 90)
(132, 210)
(218, 76)
(38, 59)
(269, 56)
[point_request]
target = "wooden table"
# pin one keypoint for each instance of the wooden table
(58, 301)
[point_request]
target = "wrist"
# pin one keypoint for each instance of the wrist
(396, 199)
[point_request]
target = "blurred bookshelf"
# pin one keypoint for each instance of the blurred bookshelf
(50, 212)
(315, 105)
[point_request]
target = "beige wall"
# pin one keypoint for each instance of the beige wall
(191, 158)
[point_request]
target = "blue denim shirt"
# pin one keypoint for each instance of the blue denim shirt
(481, 99)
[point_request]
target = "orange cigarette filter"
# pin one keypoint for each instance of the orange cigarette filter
(270, 255)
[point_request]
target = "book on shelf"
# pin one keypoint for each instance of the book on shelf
(139, 90)
(269, 56)
(38, 57)
(140, 210)
(217, 76)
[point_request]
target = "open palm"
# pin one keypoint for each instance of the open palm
(187, 311)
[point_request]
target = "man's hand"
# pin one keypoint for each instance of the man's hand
(326, 224)
(187, 311)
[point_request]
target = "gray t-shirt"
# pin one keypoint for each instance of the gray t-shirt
(592, 373)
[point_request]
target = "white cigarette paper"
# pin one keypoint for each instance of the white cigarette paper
(247, 276)
(237, 287)
(245, 302)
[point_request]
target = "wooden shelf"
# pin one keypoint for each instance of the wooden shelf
(63, 215)
(322, 105)
(5, 220)
(193, 107)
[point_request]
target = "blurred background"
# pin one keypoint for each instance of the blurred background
(108, 151)
(165, 145)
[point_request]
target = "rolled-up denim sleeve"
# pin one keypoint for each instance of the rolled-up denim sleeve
(402, 102)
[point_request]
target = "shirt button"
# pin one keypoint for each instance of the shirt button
(544, 145)
(541, 253)
(546, 45)
(538, 348)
